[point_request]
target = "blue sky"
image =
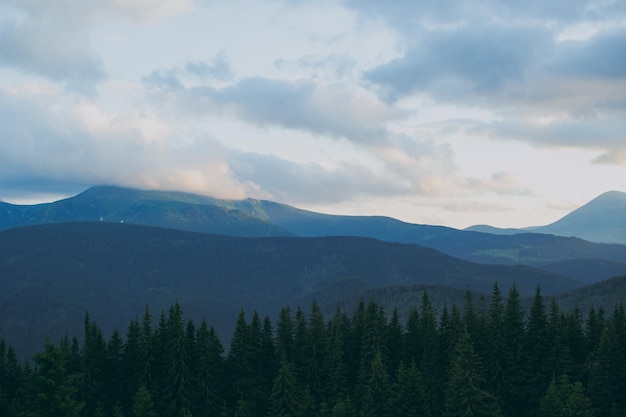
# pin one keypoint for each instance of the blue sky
(450, 112)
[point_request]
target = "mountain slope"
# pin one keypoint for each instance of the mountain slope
(533, 249)
(174, 210)
(602, 220)
(265, 218)
(52, 274)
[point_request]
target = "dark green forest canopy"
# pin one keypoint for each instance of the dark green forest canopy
(488, 358)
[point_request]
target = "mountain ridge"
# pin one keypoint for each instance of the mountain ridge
(253, 218)
(51, 274)
(601, 220)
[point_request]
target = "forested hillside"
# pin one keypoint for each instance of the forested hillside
(51, 274)
(495, 360)
(255, 218)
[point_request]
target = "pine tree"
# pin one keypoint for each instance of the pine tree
(53, 389)
(344, 407)
(434, 377)
(394, 342)
(412, 338)
(553, 403)
(286, 397)
(208, 372)
(142, 403)
(93, 364)
(316, 351)
(375, 402)
(512, 394)
(407, 398)
(113, 372)
(608, 373)
(578, 404)
(563, 399)
(495, 349)
(284, 334)
(179, 389)
(465, 393)
(335, 366)
(536, 355)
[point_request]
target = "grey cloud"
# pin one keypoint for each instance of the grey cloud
(80, 146)
(409, 15)
(173, 78)
(603, 55)
(604, 135)
(60, 53)
(338, 66)
(452, 63)
(294, 182)
(164, 79)
(300, 105)
(218, 69)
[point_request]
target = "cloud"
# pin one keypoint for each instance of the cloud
(178, 78)
(602, 55)
(51, 39)
(452, 64)
(317, 108)
(54, 144)
(60, 53)
(303, 183)
(97, 10)
(165, 79)
(408, 16)
(218, 69)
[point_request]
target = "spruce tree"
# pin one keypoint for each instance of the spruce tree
(407, 398)
(284, 334)
(375, 401)
(286, 398)
(536, 355)
(53, 388)
(317, 352)
(335, 366)
(512, 394)
(465, 393)
(142, 403)
(208, 372)
(179, 389)
(434, 375)
(394, 342)
(412, 338)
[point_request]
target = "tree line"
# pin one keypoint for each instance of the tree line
(482, 359)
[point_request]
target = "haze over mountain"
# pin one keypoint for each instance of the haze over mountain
(601, 220)
(266, 218)
(52, 274)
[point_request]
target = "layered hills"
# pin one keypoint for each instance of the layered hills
(111, 251)
(254, 218)
(52, 274)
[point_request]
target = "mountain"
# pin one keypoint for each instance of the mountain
(174, 210)
(266, 218)
(602, 220)
(52, 274)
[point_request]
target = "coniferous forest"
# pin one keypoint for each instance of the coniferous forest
(496, 360)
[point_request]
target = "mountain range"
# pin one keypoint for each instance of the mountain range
(52, 274)
(111, 251)
(602, 220)
(569, 256)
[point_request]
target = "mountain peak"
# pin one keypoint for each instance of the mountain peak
(603, 220)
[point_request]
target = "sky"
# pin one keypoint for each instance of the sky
(450, 112)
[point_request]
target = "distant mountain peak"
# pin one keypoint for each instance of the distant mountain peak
(602, 220)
